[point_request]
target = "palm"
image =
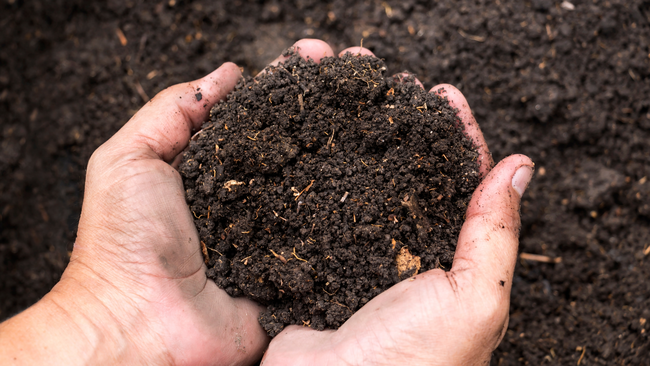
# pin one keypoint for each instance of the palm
(136, 232)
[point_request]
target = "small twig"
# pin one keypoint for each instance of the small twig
(329, 143)
(143, 43)
(295, 81)
(647, 250)
(288, 74)
(231, 183)
(214, 250)
(301, 102)
(121, 36)
(470, 36)
(304, 190)
(584, 349)
(298, 258)
(339, 304)
(204, 249)
(278, 256)
(540, 258)
(140, 91)
(411, 202)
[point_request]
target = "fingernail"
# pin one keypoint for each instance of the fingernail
(521, 179)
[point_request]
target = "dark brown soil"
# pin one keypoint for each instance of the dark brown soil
(569, 88)
(318, 186)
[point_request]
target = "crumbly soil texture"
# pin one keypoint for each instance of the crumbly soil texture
(315, 187)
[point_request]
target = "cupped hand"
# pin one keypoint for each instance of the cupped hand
(138, 252)
(136, 286)
(435, 318)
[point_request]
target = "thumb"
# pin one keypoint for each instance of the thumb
(162, 128)
(297, 345)
(488, 241)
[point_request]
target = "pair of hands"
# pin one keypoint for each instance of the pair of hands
(135, 291)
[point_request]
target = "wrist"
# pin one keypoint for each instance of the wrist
(79, 322)
(110, 319)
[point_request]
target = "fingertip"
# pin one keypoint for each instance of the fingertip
(200, 95)
(444, 89)
(229, 69)
(521, 178)
(225, 78)
(309, 49)
(495, 189)
(314, 49)
(163, 125)
(357, 50)
(299, 344)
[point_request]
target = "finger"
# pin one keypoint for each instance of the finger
(488, 241)
(357, 51)
(309, 49)
(162, 128)
(229, 329)
(472, 129)
(402, 76)
(297, 345)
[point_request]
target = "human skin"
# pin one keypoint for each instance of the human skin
(135, 290)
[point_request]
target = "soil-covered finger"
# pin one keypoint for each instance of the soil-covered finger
(472, 129)
(489, 239)
(309, 49)
(358, 51)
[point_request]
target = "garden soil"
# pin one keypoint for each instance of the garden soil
(565, 82)
(315, 187)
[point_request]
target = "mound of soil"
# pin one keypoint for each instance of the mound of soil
(316, 187)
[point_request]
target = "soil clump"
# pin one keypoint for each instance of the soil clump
(315, 187)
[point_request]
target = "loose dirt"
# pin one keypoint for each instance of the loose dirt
(315, 187)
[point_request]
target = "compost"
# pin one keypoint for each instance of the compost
(315, 187)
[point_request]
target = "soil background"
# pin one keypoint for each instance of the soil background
(567, 87)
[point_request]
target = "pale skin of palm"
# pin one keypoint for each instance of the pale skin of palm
(135, 290)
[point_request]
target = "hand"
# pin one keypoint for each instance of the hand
(135, 291)
(436, 318)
